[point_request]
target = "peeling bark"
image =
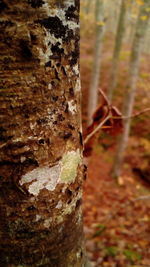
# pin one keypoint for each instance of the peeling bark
(40, 148)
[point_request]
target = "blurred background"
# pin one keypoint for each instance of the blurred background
(115, 79)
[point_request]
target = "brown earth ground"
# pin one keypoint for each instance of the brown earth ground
(117, 213)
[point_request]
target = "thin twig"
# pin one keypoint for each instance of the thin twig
(96, 129)
(132, 116)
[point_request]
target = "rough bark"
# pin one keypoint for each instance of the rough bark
(93, 89)
(141, 27)
(41, 143)
(117, 49)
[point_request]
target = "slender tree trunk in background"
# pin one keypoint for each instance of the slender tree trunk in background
(141, 26)
(131, 31)
(41, 151)
(87, 6)
(93, 89)
(117, 49)
(131, 22)
(147, 41)
(112, 14)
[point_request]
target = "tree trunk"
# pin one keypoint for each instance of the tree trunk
(117, 49)
(141, 26)
(41, 149)
(112, 13)
(131, 18)
(87, 6)
(147, 41)
(93, 89)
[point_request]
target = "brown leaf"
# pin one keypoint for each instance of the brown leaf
(88, 147)
(103, 109)
(113, 125)
(117, 122)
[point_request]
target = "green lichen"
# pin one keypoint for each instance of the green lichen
(70, 162)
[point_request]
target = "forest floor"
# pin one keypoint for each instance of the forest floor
(117, 213)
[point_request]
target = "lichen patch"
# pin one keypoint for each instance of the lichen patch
(76, 69)
(45, 55)
(77, 85)
(65, 171)
(38, 217)
(47, 222)
(61, 14)
(68, 208)
(70, 162)
(72, 107)
(41, 178)
(59, 205)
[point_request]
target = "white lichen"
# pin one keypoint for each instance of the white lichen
(76, 69)
(61, 14)
(44, 55)
(38, 217)
(41, 178)
(65, 171)
(72, 107)
(77, 85)
(32, 125)
(59, 205)
(68, 71)
(49, 86)
(68, 208)
(50, 39)
(47, 223)
(66, 22)
(22, 159)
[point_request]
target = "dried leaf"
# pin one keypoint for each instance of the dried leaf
(106, 113)
(117, 122)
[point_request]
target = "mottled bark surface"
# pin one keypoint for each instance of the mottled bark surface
(40, 139)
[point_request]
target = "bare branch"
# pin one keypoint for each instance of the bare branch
(96, 129)
(132, 116)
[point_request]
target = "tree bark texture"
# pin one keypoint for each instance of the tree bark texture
(41, 142)
(93, 89)
(141, 27)
(117, 49)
